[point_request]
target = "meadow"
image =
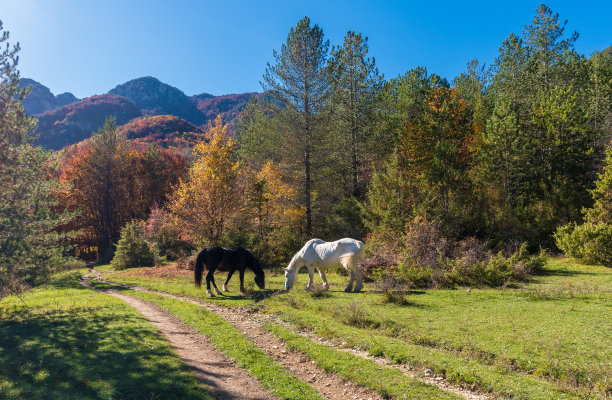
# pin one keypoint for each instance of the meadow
(547, 338)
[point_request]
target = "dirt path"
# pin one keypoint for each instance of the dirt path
(329, 385)
(225, 380)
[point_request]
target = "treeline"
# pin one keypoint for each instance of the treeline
(502, 153)
(437, 175)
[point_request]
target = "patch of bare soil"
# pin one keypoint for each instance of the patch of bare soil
(329, 385)
(224, 379)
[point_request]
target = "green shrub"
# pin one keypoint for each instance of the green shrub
(133, 250)
(589, 242)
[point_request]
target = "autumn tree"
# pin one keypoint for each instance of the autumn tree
(299, 85)
(205, 203)
(30, 246)
(274, 214)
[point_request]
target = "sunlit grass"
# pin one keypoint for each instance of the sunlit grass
(552, 333)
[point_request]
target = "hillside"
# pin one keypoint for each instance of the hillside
(76, 121)
(65, 120)
(156, 98)
(41, 99)
(228, 106)
(165, 130)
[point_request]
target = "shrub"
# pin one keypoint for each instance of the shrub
(166, 236)
(133, 250)
(589, 242)
(432, 260)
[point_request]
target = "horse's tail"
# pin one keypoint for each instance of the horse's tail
(199, 268)
(351, 260)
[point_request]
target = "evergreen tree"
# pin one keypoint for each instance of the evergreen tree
(30, 245)
(355, 84)
(299, 85)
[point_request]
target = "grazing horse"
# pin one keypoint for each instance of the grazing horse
(236, 258)
(322, 255)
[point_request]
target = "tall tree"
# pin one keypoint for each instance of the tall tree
(204, 205)
(30, 246)
(355, 84)
(299, 83)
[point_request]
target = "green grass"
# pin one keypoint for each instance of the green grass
(63, 341)
(225, 337)
(547, 338)
(388, 382)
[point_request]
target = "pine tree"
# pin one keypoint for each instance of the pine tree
(299, 85)
(30, 245)
(355, 84)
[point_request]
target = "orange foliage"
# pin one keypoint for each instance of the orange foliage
(205, 203)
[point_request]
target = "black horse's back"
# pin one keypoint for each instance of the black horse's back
(217, 258)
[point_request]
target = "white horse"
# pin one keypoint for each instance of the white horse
(322, 255)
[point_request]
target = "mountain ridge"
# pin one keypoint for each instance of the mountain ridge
(65, 120)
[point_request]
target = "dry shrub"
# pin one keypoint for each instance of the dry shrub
(383, 250)
(429, 259)
(187, 262)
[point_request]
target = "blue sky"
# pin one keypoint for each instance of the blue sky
(87, 47)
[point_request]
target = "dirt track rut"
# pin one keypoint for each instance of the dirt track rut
(329, 385)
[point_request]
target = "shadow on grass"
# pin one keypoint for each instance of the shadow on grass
(88, 352)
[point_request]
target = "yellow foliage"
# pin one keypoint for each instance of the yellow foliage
(205, 203)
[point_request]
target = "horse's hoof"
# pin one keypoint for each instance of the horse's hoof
(224, 288)
(358, 289)
(348, 289)
(210, 293)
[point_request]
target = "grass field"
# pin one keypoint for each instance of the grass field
(63, 341)
(547, 338)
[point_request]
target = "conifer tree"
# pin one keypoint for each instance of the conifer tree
(355, 84)
(30, 245)
(298, 84)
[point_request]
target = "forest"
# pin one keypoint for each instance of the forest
(469, 181)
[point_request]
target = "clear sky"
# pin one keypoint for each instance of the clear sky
(88, 47)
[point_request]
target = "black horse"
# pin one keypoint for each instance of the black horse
(236, 258)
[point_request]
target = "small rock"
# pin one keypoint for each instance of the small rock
(275, 347)
(428, 372)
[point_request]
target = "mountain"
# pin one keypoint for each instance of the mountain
(65, 99)
(228, 106)
(41, 99)
(165, 130)
(76, 121)
(156, 98)
(64, 120)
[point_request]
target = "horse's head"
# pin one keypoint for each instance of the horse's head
(290, 278)
(260, 280)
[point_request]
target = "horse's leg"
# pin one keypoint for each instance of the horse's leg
(359, 284)
(212, 279)
(323, 278)
(310, 276)
(209, 278)
(241, 272)
(229, 276)
(349, 287)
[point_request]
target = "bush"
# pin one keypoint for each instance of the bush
(166, 237)
(589, 242)
(133, 250)
(431, 260)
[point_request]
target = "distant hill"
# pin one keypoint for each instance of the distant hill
(156, 98)
(228, 106)
(64, 120)
(76, 121)
(165, 130)
(41, 99)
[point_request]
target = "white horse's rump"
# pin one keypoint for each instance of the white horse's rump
(322, 255)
